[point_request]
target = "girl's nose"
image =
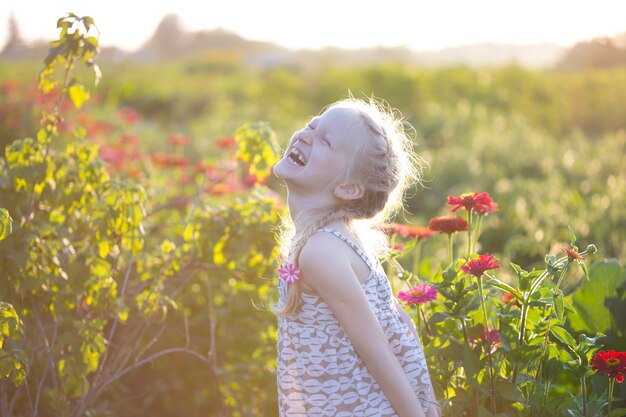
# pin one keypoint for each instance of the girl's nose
(303, 138)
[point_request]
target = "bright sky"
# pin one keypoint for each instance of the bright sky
(420, 25)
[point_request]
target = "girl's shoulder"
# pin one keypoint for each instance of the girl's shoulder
(323, 247)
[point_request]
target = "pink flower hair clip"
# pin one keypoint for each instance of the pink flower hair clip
(289, 273)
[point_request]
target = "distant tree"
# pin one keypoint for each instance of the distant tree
(170, 38)
(15, 46)
(601, 52)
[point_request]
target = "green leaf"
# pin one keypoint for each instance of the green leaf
(557, 303)
(78, 94)
(472, 364)
(572, 236)
(507, 390)
(563, 336)
(504, 286)
(590, 301)
(6, 223)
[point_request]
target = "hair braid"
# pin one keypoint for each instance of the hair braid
(298, 242)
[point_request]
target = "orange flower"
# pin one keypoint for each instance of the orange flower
(572, 254)
(448, 224)
(419, 232)
(178, 139)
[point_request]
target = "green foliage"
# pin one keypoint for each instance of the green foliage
(519, 355)
(599, 302)
(6, 223)
(105, 276)
(257, 147)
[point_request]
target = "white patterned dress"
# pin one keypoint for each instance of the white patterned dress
(320, 373)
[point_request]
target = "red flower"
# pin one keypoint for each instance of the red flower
(509, 298)
(572, 253)
(480, 203)
(448, 224)
(225, 143)
(419, 232)
(398, 246)
(129, 115)
(478, 266)
(611, 363)
(178, 139)
(489, 337)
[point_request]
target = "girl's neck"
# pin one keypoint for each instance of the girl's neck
(304, 215)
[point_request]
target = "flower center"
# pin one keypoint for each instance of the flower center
(612, 362)
(417, 293)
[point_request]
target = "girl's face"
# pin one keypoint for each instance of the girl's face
(316, 156)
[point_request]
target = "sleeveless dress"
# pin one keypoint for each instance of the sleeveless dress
(319, 372)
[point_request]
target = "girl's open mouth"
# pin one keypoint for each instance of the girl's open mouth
(296, 157)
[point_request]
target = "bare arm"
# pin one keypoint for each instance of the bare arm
(434, 410)
(325, 269)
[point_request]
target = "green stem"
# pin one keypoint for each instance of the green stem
(479, 224)
(416, 256)
(450, 248)
(426, 325)
(487, 344)
(469, 234)
(610, 395)
(583, 384)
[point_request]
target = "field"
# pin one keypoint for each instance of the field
(142, 244)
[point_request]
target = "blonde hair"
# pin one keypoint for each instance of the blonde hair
(384, 163)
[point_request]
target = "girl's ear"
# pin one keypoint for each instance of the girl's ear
(349, 191)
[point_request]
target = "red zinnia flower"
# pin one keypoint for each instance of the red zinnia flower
(448, 224)
(489, 337)
(478, 266)
(572, 253)
(419, 294)
(480, 203)
(611, 363)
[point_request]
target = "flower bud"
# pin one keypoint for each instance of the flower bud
(591, 249)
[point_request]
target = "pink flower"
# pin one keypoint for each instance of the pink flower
(478, 266)
(289, 273)
(490, 337)
(419, 294)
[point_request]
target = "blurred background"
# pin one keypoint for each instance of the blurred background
(524, 101)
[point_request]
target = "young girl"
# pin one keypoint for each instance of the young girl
(345, 345)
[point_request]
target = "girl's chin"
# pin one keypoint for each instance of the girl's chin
(285, 167)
